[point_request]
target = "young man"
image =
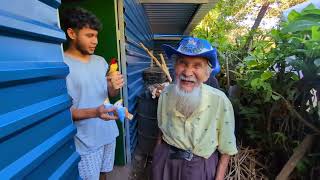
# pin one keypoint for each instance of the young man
(88, 86)
(195, 119)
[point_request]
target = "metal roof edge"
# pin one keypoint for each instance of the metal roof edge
(172, 37)
(174, 1)
(202, 10)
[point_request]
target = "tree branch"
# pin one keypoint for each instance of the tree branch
(293, 111)
(261, 14)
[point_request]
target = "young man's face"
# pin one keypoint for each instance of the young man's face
(85, 40)
(191, 72)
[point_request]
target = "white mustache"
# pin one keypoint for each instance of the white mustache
(191, 79)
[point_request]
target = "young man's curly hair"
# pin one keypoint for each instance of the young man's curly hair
(78, 18)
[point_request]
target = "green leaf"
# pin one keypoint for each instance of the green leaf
(279, 137)
(266, 75)
(310, 11)
(254, 83)
(251, 61)
(302, 165)
(317, 62)
(274, 32)
(294, 77)
(300, 25)
(275, 97)
(249, 58)
(316, 33)
(293, 15)
(310, 17)
(310, 7)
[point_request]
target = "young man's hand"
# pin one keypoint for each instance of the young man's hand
(115, 80)
(103, 113)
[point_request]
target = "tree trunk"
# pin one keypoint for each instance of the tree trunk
(261, 14)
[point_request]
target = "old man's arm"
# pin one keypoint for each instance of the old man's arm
(226, 137)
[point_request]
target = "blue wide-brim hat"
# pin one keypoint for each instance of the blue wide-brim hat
(195, 47)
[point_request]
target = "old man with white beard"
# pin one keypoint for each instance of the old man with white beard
(196, 120)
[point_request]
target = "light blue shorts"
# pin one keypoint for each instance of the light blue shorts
(100, 160)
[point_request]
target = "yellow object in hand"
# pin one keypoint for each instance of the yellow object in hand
(113, 66)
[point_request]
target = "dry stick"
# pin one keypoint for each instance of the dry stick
(151, 55)
(163, 61)
(292, 110)
(156, 61)
(164, 65)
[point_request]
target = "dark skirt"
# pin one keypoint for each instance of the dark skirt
(199, 168)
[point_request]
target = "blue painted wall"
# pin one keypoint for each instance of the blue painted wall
(36, 130)
(137, 30)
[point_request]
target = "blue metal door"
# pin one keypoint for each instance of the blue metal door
(137, 30)
(36, 130)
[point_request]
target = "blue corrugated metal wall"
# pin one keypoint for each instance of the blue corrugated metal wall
(36, 130)
(137, 30)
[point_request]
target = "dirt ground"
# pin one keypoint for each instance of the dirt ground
(140, 168)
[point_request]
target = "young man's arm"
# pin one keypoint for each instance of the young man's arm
(101, 112)
(222, 166)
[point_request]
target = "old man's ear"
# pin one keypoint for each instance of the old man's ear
(209, 71)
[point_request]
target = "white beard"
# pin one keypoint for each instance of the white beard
(186, 102)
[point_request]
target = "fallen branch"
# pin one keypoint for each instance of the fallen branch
(293, 111)
(295, 158)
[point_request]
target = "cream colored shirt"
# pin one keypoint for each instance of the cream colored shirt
(210, 127)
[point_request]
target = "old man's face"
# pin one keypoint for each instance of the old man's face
(191, 72)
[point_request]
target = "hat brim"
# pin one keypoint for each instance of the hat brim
(210, 55)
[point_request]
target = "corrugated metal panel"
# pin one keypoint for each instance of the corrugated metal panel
(169, 18)
(36, 130)
(137, 30)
